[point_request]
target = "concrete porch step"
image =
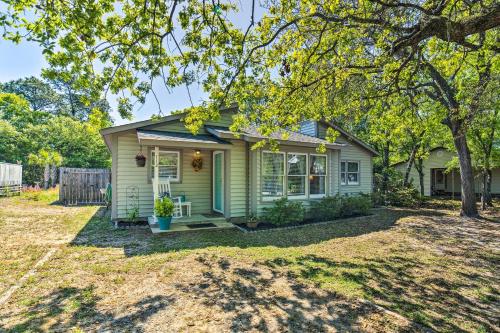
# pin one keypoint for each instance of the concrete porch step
(182, 224)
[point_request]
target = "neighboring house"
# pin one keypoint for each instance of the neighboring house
(439, 182)
(234, 180)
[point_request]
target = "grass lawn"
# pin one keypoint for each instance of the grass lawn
(397, 270)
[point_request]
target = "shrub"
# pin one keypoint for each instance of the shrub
(326, 209)
(378, 199)
(285, 212)
(404, 197)
(355, 205)
(164, 207)
(330, 208)
(396, 194)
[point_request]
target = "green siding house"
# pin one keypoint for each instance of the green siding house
(233, 180)
(438, 180)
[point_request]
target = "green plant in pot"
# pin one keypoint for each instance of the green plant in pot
(164, 207)
(253, 221)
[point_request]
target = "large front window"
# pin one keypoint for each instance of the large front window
(317, 175)
(273, 174)
(349, 173)
(297, 174)
(168, 165)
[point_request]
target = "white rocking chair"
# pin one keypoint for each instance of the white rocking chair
(164, 189)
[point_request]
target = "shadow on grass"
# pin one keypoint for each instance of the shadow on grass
(66, 309)
(265, 298)
(99, 232)
(429, 291)
(396, 282)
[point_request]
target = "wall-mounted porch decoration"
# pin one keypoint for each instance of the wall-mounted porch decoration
(197, 161)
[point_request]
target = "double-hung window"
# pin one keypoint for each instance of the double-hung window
(297, 175)
(317, 175)
(349, 173)
(168, 165)
(273, 175)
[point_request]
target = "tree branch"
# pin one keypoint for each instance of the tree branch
(450, 31)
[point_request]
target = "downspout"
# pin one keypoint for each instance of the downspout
(247, 201)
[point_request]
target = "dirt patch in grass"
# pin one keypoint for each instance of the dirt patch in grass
(396, 271)
(29, 226)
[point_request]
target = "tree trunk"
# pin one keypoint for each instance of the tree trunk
(469, 208)
(409, 164)
(53, 175)
(385, 170)
(420, 169)
(486, 199)
(489, 198)
(46, 176)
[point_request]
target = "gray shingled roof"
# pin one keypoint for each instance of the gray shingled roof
(282, 135)
(179, 137)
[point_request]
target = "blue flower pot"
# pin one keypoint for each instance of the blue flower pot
(164, 222)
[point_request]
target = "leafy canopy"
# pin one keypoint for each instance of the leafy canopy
(57, 97)
(298, 60)
(34, 137)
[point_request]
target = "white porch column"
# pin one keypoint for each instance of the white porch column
(156, 172)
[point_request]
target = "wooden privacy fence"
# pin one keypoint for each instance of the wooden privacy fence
(83, 186)
(11, 178)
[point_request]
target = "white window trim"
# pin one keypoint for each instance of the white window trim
(178, 178)
(318, 196)
(306, 183)
(267, 197)
(346, 172)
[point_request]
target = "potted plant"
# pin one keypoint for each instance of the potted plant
(140, 159)
(252, 222)
(164, 207)
(133, 214)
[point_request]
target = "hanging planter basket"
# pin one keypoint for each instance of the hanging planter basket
(140, 160)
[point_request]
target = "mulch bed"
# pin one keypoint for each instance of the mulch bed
(130, 224)
(263, 226)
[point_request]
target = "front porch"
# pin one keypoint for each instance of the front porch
(190, 223)
(190, 169)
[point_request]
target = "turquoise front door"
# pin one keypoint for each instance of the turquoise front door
(218, 181)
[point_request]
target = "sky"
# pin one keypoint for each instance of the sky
(26, 59)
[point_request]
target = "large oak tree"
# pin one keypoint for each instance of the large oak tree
(302, 59)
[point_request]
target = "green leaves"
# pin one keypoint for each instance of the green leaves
(42, 138)
(45, 157)
(341, 58)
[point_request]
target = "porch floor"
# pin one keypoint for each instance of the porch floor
(182, 224)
